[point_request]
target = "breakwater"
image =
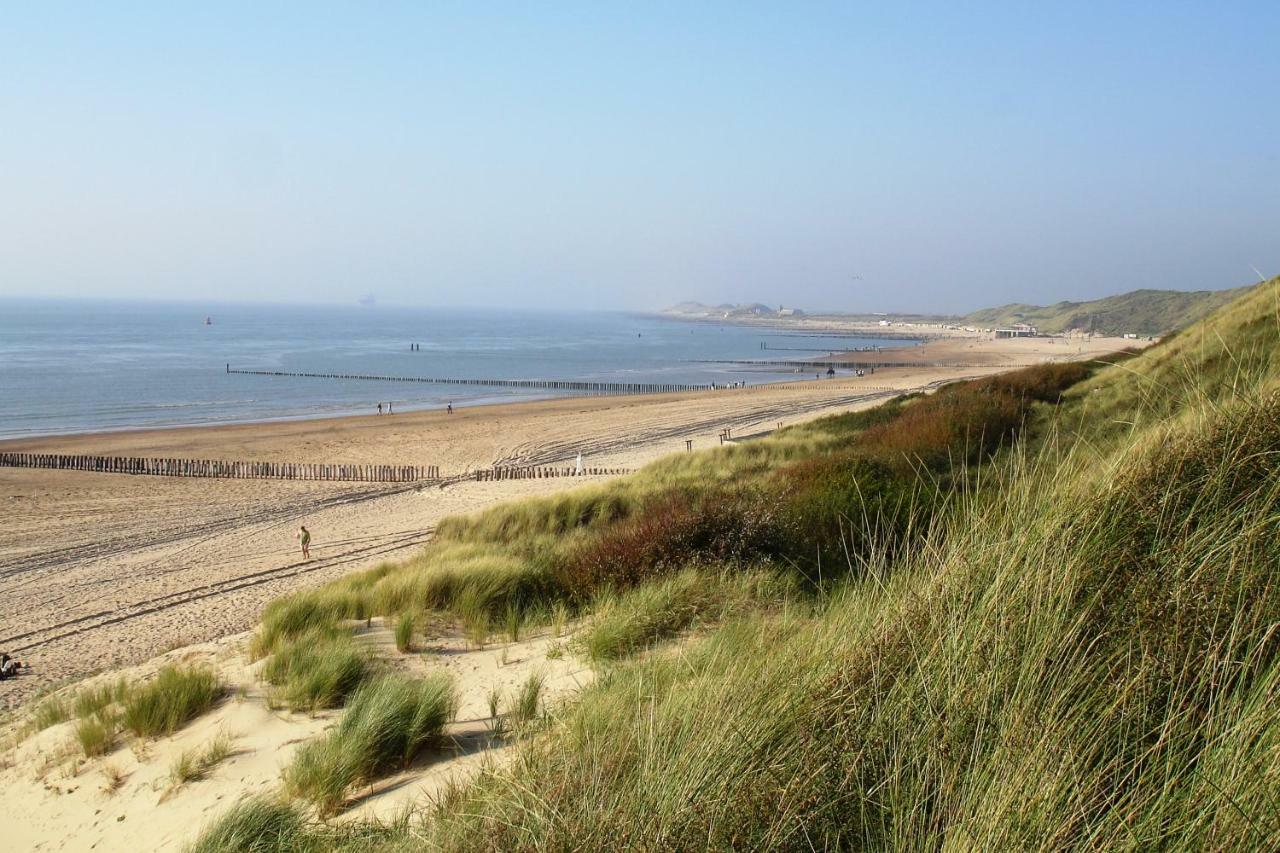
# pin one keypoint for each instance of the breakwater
(543, 473)
(581, 386)
(222, 468)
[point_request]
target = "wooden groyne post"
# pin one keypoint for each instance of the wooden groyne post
(588, 387)
(221, 468)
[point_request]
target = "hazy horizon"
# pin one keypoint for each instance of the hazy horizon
(935, 160)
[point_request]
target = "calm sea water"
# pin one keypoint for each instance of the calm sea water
(70, 366)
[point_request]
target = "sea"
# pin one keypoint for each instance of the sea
(69, 366)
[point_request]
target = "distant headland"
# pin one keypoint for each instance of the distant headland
(1139, 312)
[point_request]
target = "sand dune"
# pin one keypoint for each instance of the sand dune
(71, 804)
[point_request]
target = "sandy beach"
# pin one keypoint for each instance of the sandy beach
(99, 571)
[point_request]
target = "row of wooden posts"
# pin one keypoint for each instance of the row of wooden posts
(240, 470)
(869, 366)
(236, 470)
(548, 384)
(534, 473)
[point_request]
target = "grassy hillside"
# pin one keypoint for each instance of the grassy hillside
(1142, 312)
(1032, 612)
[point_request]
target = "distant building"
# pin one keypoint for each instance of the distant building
(1018, 330)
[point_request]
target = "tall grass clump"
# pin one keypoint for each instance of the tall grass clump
(261, 824)
(461, 578)
(317, 669)
(388, 721)
(513, 621)
(311, 612)
(192, 765)
(527, 701)
(92, 700)
(96, 734)
(50, 712)
(627, 622)
(174, 697)
(404, 632)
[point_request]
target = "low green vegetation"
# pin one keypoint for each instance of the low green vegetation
(404, 632)
(626, 622)
(92, 700)
(176, 696)
(104, 711)
(96, 734)
(1036, 611)
(83, 703)
(194, 764)
(388, 721)
(316, 669)
(50, 711)
(258, 825)
(526, 703)
(1141, 312)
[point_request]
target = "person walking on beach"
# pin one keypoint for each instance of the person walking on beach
(304, 536)
(450, 408)
(379, 408)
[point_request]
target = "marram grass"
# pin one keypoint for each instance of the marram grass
(388, 721)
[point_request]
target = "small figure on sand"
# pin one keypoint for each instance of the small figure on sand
(389, 409)
(379, 408)
(9, 666)
(450, 409)
(304, 536)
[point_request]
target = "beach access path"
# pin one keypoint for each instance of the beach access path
(101, 570)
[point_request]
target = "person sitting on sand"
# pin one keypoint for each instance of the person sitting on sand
(304, 536)
(8, 666)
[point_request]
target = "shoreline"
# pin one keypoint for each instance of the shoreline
(365, 420)
(917, 354)
(265, 421)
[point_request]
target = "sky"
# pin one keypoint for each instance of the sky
(846, 156)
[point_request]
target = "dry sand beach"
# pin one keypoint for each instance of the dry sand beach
(128, 573)
(104, 570)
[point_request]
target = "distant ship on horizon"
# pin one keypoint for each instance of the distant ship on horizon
(208, 320)
(368, 300)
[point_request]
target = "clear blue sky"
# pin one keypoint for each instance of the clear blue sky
(632, 155)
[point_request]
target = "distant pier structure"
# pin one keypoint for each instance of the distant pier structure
(581, 386)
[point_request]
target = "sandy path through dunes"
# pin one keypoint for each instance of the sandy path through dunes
(103, 570)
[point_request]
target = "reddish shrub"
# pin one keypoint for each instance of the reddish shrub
(951, 426)
(1045, 382)
(670, 531)
(967, 420)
